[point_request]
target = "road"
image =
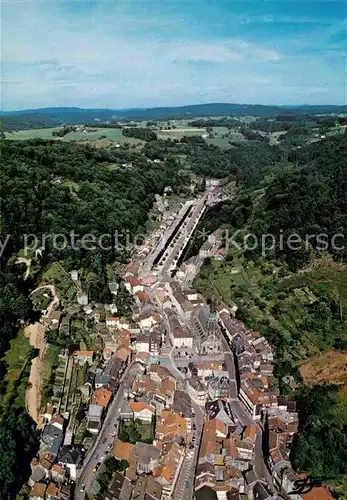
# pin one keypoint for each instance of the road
(103, 443)
(184, 486)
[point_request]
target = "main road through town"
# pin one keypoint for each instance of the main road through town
(103, 443)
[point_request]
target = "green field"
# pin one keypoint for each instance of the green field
(178, 133)
(92, 134)
(222, 137)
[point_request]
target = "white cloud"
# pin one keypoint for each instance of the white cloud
(97, 60)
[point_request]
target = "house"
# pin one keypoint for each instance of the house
(197, 390)
(71, 458)
(113, 286)
(74, 275)
(125, 412)
(147, 488)
(51, 439)
(154, 342)
(82, 299)
(112, 321)
(169, 466)
(171, 424)
(102, 397)
(219, 387)
(142, 411)
(52, 492)
(66, 492)
(147, 457)
(57, 421)
(133, 285)
(123, 353)
(48, 413)
(255, 395)
(114, 369)
(58, 473)
(38, 472)
(181, 337)
(123, 451)
(101, 380)
(38, 491)
(221, 410)
(142, 343)
(83, 357)
(94, 417)
(120, 488)
(148, 319)
(220, 254)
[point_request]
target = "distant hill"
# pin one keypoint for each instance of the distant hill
(50, 117)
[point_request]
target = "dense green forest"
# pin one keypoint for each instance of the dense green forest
(145, 134)
(320, 446)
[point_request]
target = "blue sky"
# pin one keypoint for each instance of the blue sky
(129, 53)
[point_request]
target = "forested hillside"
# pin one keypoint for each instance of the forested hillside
(55, 188)
(296, 296)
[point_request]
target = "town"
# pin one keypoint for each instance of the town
(178, 401)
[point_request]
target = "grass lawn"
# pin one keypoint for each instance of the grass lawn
(134, 431)
(56, 275)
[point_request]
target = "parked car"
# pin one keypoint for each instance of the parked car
(97, 466)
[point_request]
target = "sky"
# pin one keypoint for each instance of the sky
(143, 53)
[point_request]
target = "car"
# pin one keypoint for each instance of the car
(104, 441)
(194, 427)
(187, 483)
(83, 487)
(97, 466)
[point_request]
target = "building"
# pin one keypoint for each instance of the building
(133, 285)
(147, 457)
(94, 417)
(51, 439)
(71, 458)
(255, 396)
(123, 451)
(142, 411)
(83, 357)
(102, 397)
(101, 380)
(38, 491)
(197, 390)
(146, 488)
(181, 337)
(142, 343)
(120, 488)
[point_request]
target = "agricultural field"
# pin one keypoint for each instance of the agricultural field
(223, 137)
(83, 135)
(178, 133)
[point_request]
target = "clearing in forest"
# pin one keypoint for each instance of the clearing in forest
(329, 367)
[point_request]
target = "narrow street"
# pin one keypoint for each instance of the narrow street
(102, 445)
